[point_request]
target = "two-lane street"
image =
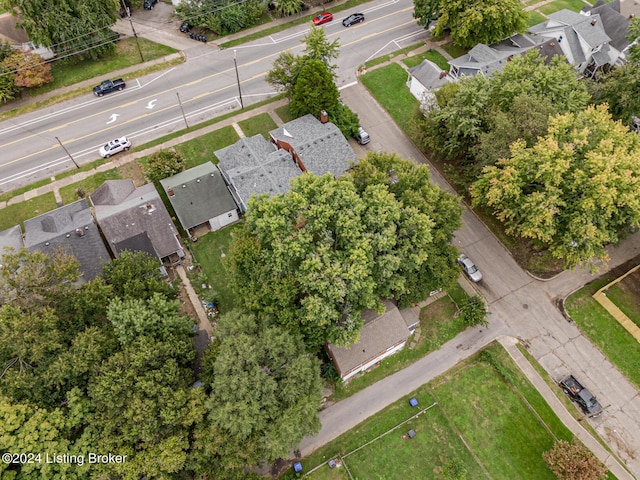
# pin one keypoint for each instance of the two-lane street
(204, 87)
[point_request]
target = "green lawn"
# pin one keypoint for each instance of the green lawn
(260, 124)
(626, 301)
(65, 74)
(535, 18)
(208, 252)
(432, 55)
(388, 85)
(485, 399)
(17, 213)
(454, 50)
(556, 5)
(437, 327)
(200, 149)
(603, 330)
(88, 185)
(283, 113)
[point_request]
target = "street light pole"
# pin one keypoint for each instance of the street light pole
(67, 152)
(235, 63)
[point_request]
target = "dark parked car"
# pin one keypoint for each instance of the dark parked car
(109, 86)
(323, 17)
(185, 27)
(353, 19)
(572, 387)
(149, 4)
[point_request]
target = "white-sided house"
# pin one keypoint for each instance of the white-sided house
(200, 197)
(424, 80)
(381, 336)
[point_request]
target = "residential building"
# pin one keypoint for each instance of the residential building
(72, 229)
(381, 336)
(200, 198)
(135, 219)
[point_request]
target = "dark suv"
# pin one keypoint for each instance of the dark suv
(149, 4)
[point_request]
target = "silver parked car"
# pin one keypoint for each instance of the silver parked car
(469, 268)
(115, 146)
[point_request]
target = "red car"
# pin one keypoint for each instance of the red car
(323, 17)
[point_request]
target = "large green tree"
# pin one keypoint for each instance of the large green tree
(478, 118)
(314, 90)
(136, 275)
(143, 406)
(77, 28)
(574, 191)
(424, 263)
(265, 390)
(316, 257)
(472, 22)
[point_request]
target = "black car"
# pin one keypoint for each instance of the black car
(149, 4)
(353, 19)
(185, 27)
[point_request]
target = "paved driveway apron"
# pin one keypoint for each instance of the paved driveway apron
(519, 305)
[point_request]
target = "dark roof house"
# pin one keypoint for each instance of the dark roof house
(254, 166)
(135, 219)
(486, 59)
(200, 196)
(316, 147)
(71, 228)
(381, 336)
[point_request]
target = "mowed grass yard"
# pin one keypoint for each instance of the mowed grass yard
(209, 252)
(485, 400)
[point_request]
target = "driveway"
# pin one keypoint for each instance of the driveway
(519, 305)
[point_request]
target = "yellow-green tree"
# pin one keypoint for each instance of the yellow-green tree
(574, 191)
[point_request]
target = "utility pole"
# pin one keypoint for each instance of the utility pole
(235, 63)
(182, 110)
(67, 152)
(135, 35)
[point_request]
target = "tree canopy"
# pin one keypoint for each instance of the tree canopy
(480, 117)
(265, 389)
(78, 28)
(574, 191)
(472, 22)
(316, 257)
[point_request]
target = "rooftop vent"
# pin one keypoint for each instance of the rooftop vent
(170, 192)
(442, 75)
(594, 21)
(79, 232)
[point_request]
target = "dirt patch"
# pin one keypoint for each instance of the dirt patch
(133, 171)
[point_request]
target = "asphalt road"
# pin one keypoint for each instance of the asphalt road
(204, 87)
(520, 306)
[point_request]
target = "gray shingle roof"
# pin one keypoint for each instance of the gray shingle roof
(378, 334)
(124, 211)
(615, 24)
(198, 194)
(429, 75)
(137, 243)
(70, 227)
(321, 146)
(11, 240)
(253, 166)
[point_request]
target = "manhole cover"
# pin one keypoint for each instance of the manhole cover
(525, 306)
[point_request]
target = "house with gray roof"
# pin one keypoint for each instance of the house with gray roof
(486, 59)
(71, 228)
(11, 240)
(200, 196)
(135, 219)
(381, 336)
(254, 166)
(424, 80)
(315, 146)
(590, 39)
